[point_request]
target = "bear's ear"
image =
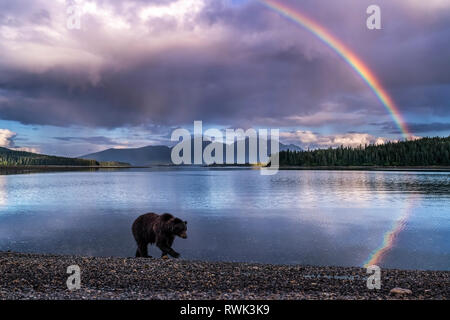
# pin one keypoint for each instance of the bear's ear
(166, 217)
(185, 222)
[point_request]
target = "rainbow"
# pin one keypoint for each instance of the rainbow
(351, 58)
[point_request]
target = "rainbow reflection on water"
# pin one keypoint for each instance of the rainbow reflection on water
(391, 236)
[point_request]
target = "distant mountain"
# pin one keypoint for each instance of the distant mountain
(282, 147)
(149, 155)
(290, 147)
(10, 157)
(154, 155)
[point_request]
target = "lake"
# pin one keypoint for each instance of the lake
(341, 218)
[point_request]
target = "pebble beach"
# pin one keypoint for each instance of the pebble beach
(39, 276)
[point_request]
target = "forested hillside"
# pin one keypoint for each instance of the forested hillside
(422, 152)
(21, 158)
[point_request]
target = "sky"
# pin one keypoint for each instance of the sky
(136, 70)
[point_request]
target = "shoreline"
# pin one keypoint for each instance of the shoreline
(5, 170)
(342, 168)
(43, 276)
(371, 168)
(39, 169)
(68, 167)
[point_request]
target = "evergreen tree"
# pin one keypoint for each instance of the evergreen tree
(21, 158)
(421, 152)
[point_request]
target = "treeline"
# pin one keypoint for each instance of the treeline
(422, 152)
(114, 164)
(21, 158)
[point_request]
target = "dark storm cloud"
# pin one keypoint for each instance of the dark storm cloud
(173, 88)
(418, 128)
(101, 140)
(238, 65)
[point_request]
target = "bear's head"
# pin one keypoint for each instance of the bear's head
(179, 227)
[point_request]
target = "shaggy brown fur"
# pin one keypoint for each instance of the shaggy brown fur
(160, 229)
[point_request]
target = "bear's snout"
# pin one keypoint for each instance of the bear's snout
(183, 235)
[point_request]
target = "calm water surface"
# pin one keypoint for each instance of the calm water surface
(347, 218)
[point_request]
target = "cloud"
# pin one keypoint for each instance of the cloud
(82, 145)
(429, 127)
(419, 128)
(308, 139)
(94, 140)
(7, 141)
(171, 62)
(6, 138)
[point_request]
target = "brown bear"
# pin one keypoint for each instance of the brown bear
(160, 229)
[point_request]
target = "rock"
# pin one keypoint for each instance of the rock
(400, 291)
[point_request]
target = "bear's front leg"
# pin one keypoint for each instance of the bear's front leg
(166, 249)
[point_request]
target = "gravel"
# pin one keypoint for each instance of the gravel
(38, 276)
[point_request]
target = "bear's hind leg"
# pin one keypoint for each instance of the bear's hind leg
(143, 250)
